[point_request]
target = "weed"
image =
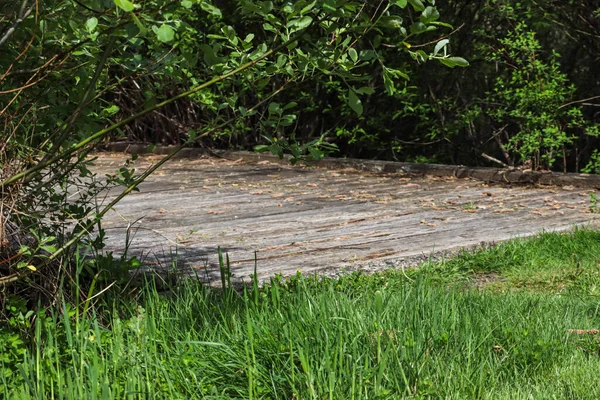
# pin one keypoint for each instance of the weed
(594, 203)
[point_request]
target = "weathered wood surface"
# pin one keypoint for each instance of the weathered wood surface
(486, 174)
(315, 219)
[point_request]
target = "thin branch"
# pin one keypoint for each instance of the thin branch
(12, 64)
(493, 159)
(438, 39)
(579, 101)
(15, 24)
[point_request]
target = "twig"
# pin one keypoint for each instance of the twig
(494, 160)
(438, 39)
(579, 101)
(20, 19)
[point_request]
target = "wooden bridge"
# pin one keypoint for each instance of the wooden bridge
(318, 220)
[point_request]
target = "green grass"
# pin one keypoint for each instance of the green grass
(437, 332)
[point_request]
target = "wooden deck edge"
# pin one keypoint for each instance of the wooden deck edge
(485, 174)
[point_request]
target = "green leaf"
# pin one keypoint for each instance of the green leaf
(209, 8)
(400, 3)
(266, 6)
(419, 27)
(112, 110)
(300, 23)
(388, 82)
(366, 55)
(274, 108)
(365, 90)
(353, 54)
(91, 24)
(262, 83)
(454, 62)
(392, 22)
(438, 23)
(354, 102)
(49, 249)
(399, 74)
(315, 153)
(440, 45)
(165, 33)
(417, 5)
(210, 55)
(281, 60)
(139, 24)
(308, 7)
(187, 4)
(124, 5)
(287, 120)
(429, 15)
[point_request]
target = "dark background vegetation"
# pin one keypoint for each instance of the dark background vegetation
(439, 114)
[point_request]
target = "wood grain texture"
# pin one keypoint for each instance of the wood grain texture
(313, 219)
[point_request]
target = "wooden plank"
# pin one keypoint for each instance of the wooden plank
(312, 219)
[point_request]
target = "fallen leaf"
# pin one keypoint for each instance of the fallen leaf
(366, 196)
(583, 331)
(342, 197)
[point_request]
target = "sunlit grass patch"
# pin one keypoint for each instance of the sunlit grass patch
(429, 333)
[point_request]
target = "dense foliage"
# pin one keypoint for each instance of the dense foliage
(527, 99)
(74, 74)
